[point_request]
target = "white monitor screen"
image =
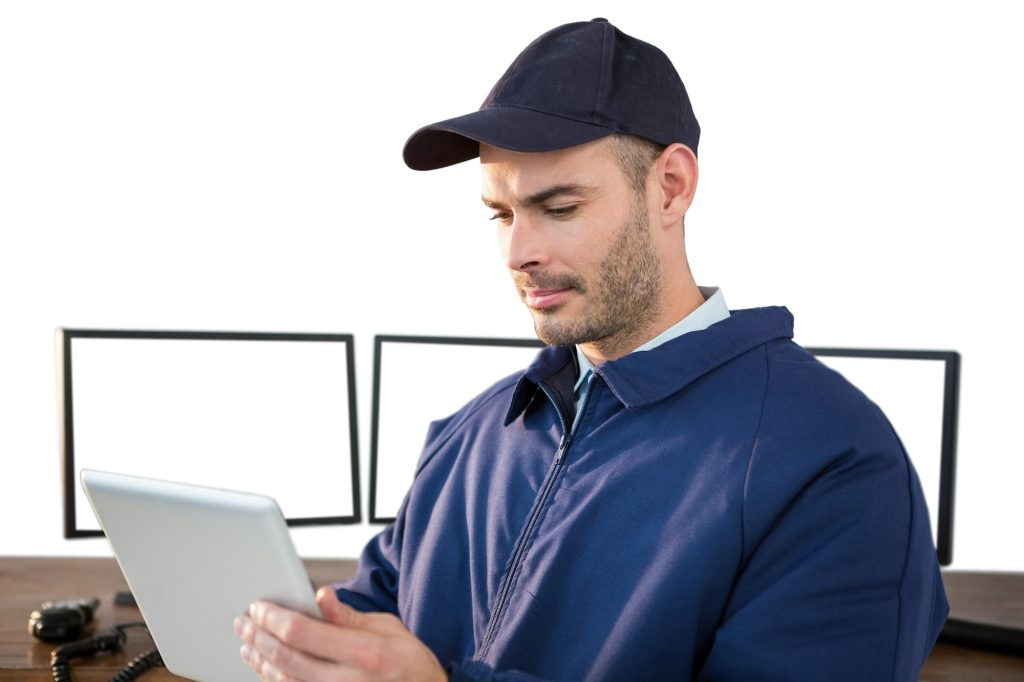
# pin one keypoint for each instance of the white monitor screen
(414, 384)
(918, 392)
(267, 413)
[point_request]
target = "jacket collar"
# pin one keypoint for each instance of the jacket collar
(646, 377)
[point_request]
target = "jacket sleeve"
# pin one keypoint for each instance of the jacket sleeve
(375, 585)
(840, 580)
(375, 588)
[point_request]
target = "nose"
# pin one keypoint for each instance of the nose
(522, 244)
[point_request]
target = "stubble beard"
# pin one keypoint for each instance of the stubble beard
(621, 302)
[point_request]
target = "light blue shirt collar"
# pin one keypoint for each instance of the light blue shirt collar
(712, 310)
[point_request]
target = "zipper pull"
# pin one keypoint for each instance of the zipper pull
(563, 445)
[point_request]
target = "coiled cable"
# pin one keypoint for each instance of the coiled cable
(112, 640)
(140, 664)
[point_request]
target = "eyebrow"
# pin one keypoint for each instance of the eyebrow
(544, 195)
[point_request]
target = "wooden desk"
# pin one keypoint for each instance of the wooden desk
(27, 582)
(993, 598)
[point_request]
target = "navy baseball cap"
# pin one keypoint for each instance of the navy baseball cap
(574, 84)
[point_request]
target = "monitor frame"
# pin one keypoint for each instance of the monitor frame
(65, 336)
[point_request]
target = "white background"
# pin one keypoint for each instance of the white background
(236, 166)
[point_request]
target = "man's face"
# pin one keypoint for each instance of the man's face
(577, 240)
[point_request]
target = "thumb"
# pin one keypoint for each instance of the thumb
(334, 611)
(343, 615)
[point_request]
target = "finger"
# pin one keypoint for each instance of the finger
(268, 671)
(312, 635)
(275, 661)
(260, 665)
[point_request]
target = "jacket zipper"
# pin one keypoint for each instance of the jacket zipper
(505, 591)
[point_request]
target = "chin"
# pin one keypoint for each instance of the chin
(554, 335)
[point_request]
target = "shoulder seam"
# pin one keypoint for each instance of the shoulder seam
(750, 459)
(906, 559)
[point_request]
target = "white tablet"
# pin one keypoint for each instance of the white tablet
(195, 558)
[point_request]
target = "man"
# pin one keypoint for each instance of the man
(672, 490)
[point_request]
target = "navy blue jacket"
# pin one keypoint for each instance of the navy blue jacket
(726, 508)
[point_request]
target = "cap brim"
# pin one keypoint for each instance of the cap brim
(521, 130)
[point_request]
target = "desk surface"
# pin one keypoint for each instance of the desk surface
(25, 582)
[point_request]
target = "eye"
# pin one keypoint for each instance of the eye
(561, 211)
(503, 217)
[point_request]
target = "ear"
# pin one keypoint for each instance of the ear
(676, 175)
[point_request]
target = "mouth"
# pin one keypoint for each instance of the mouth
(542, 299)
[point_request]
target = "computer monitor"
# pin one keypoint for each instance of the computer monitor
(919, 392)
(413, 384)
(272, 413)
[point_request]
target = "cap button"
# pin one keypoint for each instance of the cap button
(600, 19)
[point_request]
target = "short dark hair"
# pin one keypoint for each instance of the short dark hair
(635, 156)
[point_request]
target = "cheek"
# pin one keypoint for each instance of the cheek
(503, 243)
(582, 255)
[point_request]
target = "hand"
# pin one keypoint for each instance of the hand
(285, 645)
